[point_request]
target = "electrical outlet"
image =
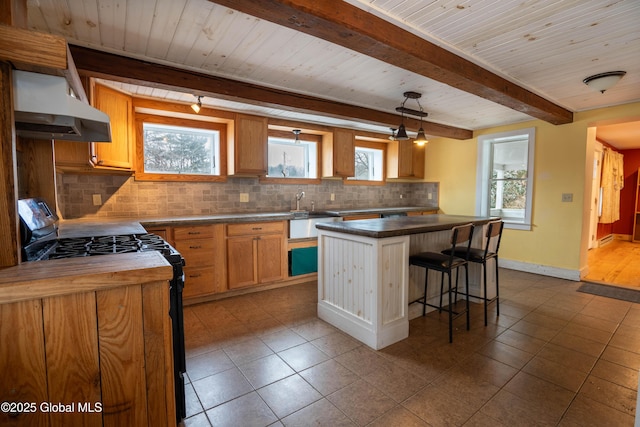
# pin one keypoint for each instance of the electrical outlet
(567, 197)
(244, 197)
(402, 196)
(97, 200)
(429, 196)
(333, 197)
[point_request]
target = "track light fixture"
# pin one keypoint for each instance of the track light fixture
(197, 105)
(296, 132)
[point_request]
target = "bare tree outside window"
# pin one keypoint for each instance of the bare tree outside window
(169, 149)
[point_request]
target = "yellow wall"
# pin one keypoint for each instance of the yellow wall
(556, 238)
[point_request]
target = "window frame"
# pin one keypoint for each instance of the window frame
(141, 175)
(306, 137)
(382, 146)
(483, 177)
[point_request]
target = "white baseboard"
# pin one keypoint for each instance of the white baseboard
(561, 273)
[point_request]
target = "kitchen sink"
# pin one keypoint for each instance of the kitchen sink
(301, 227)
(297, 214)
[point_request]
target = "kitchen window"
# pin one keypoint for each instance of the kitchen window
(369, 163)
(179, 149)
(291, 160)
(505, 177)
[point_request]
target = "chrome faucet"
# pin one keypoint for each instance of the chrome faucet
(299, 196)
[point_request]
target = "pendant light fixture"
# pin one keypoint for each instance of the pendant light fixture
(604, 81)
(296, 132)
(197, 105)
(421, 138)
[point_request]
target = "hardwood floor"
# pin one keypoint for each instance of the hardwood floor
(616, 263)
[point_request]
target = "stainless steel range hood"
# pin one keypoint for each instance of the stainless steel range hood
(45, 109)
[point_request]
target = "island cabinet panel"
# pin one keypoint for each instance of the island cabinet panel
(22, 362)
(203, 248)
(158, 349)
(362, 286)
(72, 357)
(105, 355)
(122, 350)
(256, 253)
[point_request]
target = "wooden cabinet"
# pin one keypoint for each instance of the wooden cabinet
(338, 154)
(203, 250)
(360, 216)
(405, 160)
(418, 213)
(248, 150)
(105, 348)
(636, 215)
(119, 153)
(256, 253)
(72, 155)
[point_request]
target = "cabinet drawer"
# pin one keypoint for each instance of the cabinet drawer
(200, 281)
(197, 252)
(196, 232)
(362, 216)
(255, 228)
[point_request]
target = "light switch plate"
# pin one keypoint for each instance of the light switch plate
(567, 197)
(97, 200)
(244, 197)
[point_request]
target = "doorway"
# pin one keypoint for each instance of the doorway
(613, 260)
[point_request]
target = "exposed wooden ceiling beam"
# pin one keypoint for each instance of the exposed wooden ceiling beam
(346, 25)
(123, 69)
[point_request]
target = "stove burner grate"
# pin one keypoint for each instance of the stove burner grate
(104, 245)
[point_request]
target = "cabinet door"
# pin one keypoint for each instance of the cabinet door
(338, 154)
(72, 155)
(270, 258)
(405, 160)
(119, 152)
(343, 153)
(241, 261)
(249, 150)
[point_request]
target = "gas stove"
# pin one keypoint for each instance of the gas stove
(97, 245)
(38, 227)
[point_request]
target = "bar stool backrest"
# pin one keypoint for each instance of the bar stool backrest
(494, 235)
(461, 234)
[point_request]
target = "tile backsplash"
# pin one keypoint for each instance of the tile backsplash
(123, 196)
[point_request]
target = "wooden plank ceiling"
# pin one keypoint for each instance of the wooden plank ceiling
(478, 63)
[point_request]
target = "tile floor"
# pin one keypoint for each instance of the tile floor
(553, 357)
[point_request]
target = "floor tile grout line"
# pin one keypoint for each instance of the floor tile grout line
(589, 374)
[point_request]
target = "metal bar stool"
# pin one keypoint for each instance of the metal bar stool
(460, 235)
(481, 256)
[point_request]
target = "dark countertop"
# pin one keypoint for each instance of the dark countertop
(346, 212)
(401, 226)
(107, 226)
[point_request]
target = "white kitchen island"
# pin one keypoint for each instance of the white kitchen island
(365, 285)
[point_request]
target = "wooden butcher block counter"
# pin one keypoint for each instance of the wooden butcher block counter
(87, 341)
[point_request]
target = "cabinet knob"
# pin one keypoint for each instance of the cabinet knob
(193, 232)
(257, 228)
(195, 247)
